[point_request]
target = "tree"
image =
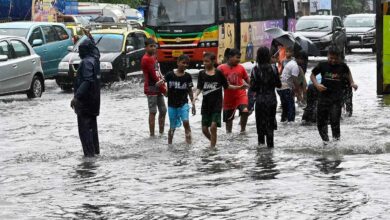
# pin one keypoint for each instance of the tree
(346, 7)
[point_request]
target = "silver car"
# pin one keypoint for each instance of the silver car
(20, 68)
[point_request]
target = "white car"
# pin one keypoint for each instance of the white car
(20, 68)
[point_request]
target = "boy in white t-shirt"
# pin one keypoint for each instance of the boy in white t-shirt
(289, 80)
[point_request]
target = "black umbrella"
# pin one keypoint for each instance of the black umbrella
(295, 40)
(306, 44)
(282, 37)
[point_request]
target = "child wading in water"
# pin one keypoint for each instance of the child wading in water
(179, 88)
(210, 82)
(334, 74)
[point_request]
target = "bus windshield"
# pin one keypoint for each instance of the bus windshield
(181, 12)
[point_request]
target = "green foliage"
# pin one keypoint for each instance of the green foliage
(132, 3)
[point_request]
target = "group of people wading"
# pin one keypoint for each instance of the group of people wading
(224, 90)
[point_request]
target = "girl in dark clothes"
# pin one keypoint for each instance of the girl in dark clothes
(264, 80)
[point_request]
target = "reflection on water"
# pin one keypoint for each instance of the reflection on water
(328, 165)
(265, 166)
(386, 100)
(87, 169)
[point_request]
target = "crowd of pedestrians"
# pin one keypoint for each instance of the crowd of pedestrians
(226, 89)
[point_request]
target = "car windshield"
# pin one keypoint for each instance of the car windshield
(314, 25)
(178, 13)
(359, 22)
(82, 20)
(106, 43)
(14, 32)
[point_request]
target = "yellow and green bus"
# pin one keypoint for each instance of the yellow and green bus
(383, 54)
(193, 27)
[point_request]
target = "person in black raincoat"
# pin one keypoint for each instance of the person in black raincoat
(264, 80)
(86, 101)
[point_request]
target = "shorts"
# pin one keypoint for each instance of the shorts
(177, 115)
(156, 101)
(228, 115)
(208, 119)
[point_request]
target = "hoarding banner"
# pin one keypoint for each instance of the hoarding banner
(44, 10)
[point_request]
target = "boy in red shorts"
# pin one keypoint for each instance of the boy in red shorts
(236, 75)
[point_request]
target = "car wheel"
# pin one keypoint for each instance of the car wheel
(348, 50)
(66, 88)
(120, 76)
(36, 88)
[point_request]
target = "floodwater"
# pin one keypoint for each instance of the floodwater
(44, 176)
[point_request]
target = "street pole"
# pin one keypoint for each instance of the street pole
(379, 47)
(237, 25)
(285, 17)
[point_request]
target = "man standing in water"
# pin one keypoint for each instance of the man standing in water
(86, 101)
(236, 75)
(154, 86)
(333, 73)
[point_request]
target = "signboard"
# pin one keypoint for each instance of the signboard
(326, 4)
(43, 10)
(316, 5)
(386, 49)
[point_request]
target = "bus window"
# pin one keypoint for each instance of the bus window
(226, 10)
(246, 12)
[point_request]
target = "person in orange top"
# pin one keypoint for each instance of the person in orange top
(236, 75)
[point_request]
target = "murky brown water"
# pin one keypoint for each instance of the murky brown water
(43, 174)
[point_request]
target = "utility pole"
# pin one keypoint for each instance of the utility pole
(379, 46)
(285, 14)
(237, 25)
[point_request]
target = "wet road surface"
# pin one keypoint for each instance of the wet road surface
(44, 176)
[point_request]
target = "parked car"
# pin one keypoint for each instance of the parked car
(324, 31)
(20, 68)
(361, 31)
(49, 40)
(75, 32)
(120, 54)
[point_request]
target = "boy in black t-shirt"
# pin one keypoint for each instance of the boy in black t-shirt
(334, 73)
(180, 86)
(210, 82)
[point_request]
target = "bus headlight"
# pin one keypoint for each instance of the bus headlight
(63, 66)
(105, 66)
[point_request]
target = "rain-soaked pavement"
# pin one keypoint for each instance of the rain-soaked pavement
(43, 174)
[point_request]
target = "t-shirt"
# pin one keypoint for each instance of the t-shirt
(290, 69)
(212, 91)
(178, 88)
(151, 71)
(235, 75)
(333, 78)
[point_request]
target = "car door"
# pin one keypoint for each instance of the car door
(24, 65)
(41, 50)
(52, 50)
(62, 44)
(137, 41)
(6, 69)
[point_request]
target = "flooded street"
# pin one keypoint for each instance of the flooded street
(44, 176)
